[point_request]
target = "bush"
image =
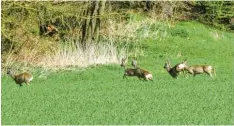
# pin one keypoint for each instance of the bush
(215, 13)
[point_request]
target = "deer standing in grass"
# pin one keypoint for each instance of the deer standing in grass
(199, 69)
(21, 78)
(176, 70)
(140, 73)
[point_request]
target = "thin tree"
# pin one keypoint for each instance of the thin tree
(91, 25)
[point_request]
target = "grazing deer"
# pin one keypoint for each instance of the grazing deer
(175, 71)
(199, 69)
(140, 73)
(21, 78)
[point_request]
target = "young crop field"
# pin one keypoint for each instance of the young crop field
(100, 95)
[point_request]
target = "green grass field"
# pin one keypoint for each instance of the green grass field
(99, 95)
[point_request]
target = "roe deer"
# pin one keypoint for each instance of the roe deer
(21, 78)
(140, 73)
(199, 69)
(48, 29)
(175, 71)
(128, 71)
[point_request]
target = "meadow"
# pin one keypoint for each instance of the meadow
(100, 95)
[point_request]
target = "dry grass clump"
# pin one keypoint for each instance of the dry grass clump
(67, 55)
(73, 55)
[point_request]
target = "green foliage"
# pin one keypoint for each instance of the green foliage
(216, 13)
(99, 95)
(179, 32)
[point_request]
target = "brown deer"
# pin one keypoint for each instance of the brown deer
(199, 69)
(140, 73)
(20, 78)
(176, 70)
(48, 29)
(127, 71)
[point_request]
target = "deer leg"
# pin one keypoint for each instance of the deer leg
(177, 74)
(185, 74)
(27, 83)
(145, 78)
(191, 72)
(214, 72)
(210, 74)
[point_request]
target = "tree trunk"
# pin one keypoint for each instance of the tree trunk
(98, 22)
(91, 25)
